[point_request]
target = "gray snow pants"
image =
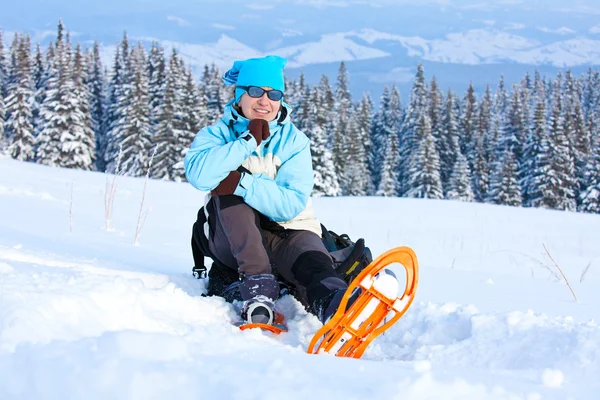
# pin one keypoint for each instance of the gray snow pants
(239, 242)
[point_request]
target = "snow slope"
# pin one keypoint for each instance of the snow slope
(86, 313)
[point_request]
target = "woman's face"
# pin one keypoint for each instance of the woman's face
(259, 108)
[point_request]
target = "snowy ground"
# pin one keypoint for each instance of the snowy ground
(87, 314)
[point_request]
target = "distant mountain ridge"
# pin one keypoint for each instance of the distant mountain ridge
(381, 41)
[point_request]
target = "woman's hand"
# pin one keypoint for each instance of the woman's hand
(259, 128)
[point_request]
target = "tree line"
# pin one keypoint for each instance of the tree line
(537, 145)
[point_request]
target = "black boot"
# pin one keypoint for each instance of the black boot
(325, 307)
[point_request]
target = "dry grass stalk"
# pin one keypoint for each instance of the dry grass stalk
(142, 215)
(585, 272)
(110, 191)
(71, 211)
(561, 272)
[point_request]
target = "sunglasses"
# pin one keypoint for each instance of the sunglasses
(257, 92)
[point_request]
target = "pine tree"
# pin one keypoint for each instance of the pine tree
(18, 127)
(590, 198)
(355, 177)
(409, 139)
(327, 119)
(3, 68)
(378, 141)
(449, 146)
(3, 142)
(577, 131)
(157, 76)
(364, 121)
(481, 157)
(326, 182)
(38, 82)
(390, 128)
(169, 129)
(536, 147)
(213, 90)
(97, 103)
(459, 187)
(134, 126)
(118, 90)
(424, 173)
(436, 114)
(193, 118)
(504, 185)
(341, 139)
(48, 135)
(557, 185)
(78, 141)
(295, 94)
(468, 124)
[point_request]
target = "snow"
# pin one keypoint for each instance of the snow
(86, 313)
(330, 48)
(485, 46)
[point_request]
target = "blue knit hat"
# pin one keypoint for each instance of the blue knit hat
(266, 71)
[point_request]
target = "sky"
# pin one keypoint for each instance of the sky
(89, 312)
(458, 41)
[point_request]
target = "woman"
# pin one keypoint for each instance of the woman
(257, 167)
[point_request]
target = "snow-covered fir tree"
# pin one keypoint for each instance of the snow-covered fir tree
(534, 169)
(390, 127)
(364, 121)
(341, 138)
(378, 141)
(118, 90)
(38, 82)
(78, 141)
(576, 130)
(449, 140)
(355, 175)
(326, 181)
(409, 139)
(328, 118)
(435, 108)
(559, 183)
(193, 117)
(157, 79)
(134, 125)
(19, 120)
(468, 124)
(3, 67)
(424, 173)
(3, 143)
(481, 158)
(459, 187)
(295, 92)
(504, 183)
(96, 83)
(590, 197)
(213, 89)
(48, 137)
(3, 79)
(170, 152)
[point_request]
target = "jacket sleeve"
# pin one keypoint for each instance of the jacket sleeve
(211, 158)
(283, 198)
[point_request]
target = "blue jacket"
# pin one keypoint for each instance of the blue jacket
(281, 178)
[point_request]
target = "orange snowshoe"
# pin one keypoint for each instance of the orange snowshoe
(378, 306)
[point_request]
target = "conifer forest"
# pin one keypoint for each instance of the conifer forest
(535, 144)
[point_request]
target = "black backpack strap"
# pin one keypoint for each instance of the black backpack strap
(200, 247)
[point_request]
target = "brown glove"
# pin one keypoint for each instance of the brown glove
(259, 128)
(227, 185)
